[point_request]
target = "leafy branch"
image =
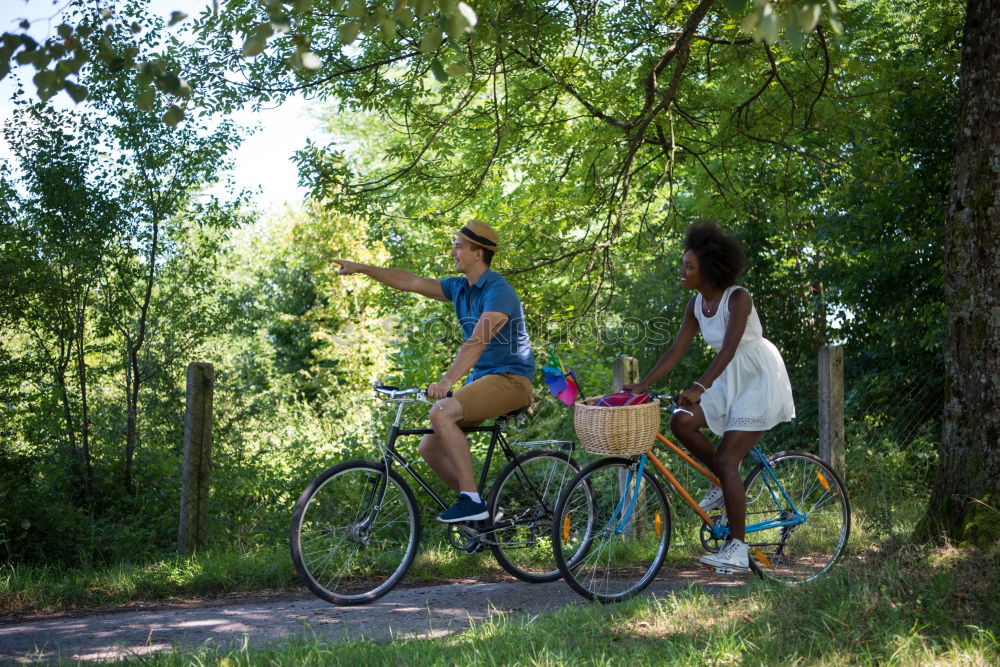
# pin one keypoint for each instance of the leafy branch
(424, 24)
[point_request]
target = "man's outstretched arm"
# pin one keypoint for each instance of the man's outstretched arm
(395, 278)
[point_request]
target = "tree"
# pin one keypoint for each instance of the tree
(109, 240)
(59, 230)
(965, 504)
(159, 171)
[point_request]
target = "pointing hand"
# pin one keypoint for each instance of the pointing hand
(346, 267)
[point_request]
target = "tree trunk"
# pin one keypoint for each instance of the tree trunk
(133, 378)
(68, 425)
(81, 370)
(131, 412)
(60, 366)
(965, 503)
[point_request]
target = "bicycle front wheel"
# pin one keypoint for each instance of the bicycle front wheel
(610, 540)
(354, 532)
(809, 533)
(523, 502)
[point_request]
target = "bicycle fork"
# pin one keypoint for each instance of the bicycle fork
(619, 521)
(360, 529)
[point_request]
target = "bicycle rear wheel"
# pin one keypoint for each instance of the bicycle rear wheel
(807, 547)
(605, 550)
(524, 498)
(354, 532)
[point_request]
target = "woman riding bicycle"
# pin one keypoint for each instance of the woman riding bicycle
(745, 389)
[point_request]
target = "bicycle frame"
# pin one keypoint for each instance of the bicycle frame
(391, 455)
(718, 531)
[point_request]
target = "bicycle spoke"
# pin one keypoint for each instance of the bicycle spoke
(357, 560)
(622, 557)
(526, 492)
(806, 548)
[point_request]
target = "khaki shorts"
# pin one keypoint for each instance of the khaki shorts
(493, 395)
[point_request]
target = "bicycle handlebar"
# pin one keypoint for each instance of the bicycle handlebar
(670, 399)
(668, 402)
(396, 394)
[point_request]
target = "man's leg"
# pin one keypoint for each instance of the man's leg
(482, 399)
(433, 453)
(445, 415)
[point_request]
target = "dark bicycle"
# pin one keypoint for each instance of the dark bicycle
(356, 527)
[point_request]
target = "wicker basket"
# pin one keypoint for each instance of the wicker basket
(624, 430)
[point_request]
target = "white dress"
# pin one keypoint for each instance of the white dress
(753, 393)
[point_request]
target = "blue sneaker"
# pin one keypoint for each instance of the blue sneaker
(465, 509)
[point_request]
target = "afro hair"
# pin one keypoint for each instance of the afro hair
(720, 256)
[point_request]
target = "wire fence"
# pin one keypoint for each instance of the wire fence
(892, 452)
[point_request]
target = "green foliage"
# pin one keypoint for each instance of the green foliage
(288, 28)
(108, 247)
(828, 157)
(563, 145)
(90, 36)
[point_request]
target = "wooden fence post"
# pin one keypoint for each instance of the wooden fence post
(831, 407)
(624, 370)
(197, 458)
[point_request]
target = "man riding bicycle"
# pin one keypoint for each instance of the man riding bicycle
(496, 350)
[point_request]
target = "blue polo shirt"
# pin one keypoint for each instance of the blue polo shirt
(509, 351)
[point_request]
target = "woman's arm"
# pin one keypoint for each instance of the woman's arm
(670, 358)
(740, 305)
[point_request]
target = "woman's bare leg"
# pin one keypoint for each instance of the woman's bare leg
(733, 448)
(687, 428)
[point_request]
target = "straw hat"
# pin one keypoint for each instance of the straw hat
(480, 234)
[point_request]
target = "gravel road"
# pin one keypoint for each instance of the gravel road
(406, 612)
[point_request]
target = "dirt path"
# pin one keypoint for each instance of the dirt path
(406, 612)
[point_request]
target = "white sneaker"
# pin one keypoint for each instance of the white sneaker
(734, 556)
(713, 499)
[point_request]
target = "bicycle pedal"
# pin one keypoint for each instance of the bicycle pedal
(724, 570)
(474, 547)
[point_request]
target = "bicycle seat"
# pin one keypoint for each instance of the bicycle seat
(511, 416)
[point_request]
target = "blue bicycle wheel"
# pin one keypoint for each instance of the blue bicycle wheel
(613, 530)
(806, 514)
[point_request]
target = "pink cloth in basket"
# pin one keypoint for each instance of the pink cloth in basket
(622, 398)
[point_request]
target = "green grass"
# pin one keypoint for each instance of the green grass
(888, 602)
(909, 606)
(28, 589)
(25, 588)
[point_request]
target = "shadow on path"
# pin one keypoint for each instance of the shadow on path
(430, 611)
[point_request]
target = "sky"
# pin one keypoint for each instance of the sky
(262, 162)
